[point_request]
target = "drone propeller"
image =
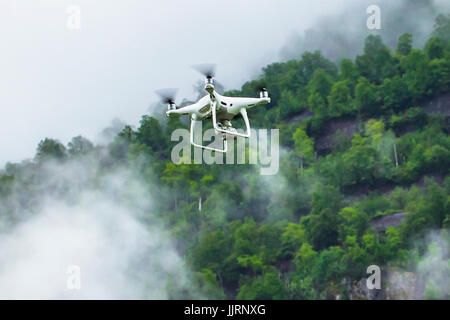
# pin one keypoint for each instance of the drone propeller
(168, 96)
(261, 85)
(206, 69)
(209, 71)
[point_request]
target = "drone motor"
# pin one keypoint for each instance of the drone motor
(171, 105)
(168, 96)
(263, 93)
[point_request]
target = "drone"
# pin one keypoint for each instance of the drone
(221, 109)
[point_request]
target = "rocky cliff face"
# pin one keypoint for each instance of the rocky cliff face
(401, 286)
(383, 222)
(359, 291)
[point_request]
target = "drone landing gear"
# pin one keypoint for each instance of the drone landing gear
(223, 137)
(228, 129)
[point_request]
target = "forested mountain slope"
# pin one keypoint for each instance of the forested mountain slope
(360, 140)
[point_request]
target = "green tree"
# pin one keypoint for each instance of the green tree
(404, 44)
(120, 146)
(349, 73)
(434, 48)
(416, 74)
(265, 287)
(362, 160)
(79, 146)
(366, 97)
(319, 88)
(395, 93)
(377, 62)
(292, 238)
(206, 283)
(353, 222)
(302, 288)
(340, 100)
(304, 146)
(305, 258)
(288, 104)
(322, 224)
(151, 134)
(442, 27)
(50, 149)
(317, 104)
(440, 75)
(355, 257)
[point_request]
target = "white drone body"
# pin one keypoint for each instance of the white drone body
(221, 109)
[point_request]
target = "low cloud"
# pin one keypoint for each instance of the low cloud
(103, 223)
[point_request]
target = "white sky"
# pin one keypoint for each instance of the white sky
(59, 83)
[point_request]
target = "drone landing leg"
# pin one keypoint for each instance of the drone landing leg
(244, 116)
(225, 145)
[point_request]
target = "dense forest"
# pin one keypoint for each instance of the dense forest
(361, 139)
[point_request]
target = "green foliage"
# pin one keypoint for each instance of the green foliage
(442, 27)
(434, 48)
(302, 288)
(417, 74)
(292, 238)
(319, 87)
(321, 224)
(432, 291)
(300, 233)
(366, 97)
(353, 222)
(305, 258)
(6, 185)
(411, 118)
(395, 93)
(253, 262)
(50, 149)
(304, 146)
(349, 73)
(206, 283)
(80, 146)
(340, 100)
(404, 45)
(151, 134)
(265, 287)
(440, 75)
(289, 104)
(377, 62)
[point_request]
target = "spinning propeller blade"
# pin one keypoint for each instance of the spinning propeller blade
(167, 95)
(206, 69)
(209, 71)
(261, 86)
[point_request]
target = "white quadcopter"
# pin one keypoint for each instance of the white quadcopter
(220, 108)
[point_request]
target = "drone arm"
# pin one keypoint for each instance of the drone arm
(247, 122)
(244, 115)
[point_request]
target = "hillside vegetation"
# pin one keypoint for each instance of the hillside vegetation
(307, 231)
